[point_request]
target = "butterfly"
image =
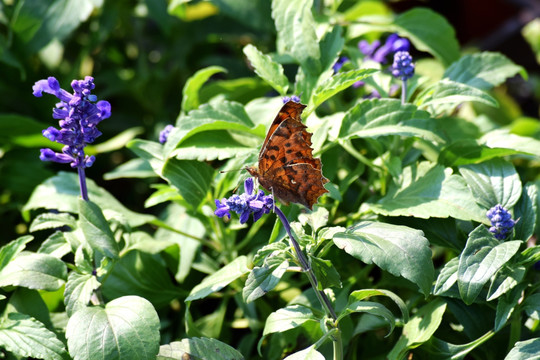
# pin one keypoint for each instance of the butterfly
(286, 166)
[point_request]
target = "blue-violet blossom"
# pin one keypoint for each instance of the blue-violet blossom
(339, 63)
(78, 116)
(244, 204)
(294, 98)
(403, 67)
(501, 222)
(164, 134)
(379, 53)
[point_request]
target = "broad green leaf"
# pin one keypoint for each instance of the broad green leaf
(505, 280)
(32, 303)
(296, 32)
(526, 211)
(371, 308)
(359, 295)
(502, 138)
(531, 306)
(493, 182)
(263, 279)
(190, 93)
(13, 126)
(450, 94)
(115, 143)
(61, 192)
(309, 353)
(96, 230)
(142, 274)
(198, 349)
(482, 257)
(334, 85)
(212, 145)
(331, 46)
(370, 115)
(52, 221)
(24, 336)
(483, 70)
(219, 279)
(55, 245)
(287, 318)
(506, 305)
(525, 350)
(125, 328)
(191, 178)
(447, 277)
(400, 250)
(430, 32)
(325, 272)
(79, 289)
(267, 69)
(529, 256)
(9, 251)
(134, 168)
(531, 33)
(419, 329)
(429, 190)
(468, 151)
(34, 271)
(444, 350)
(222, 115)
(316, 219)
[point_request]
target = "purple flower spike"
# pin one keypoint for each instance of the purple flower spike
(403, 67)
(501, 221)
(245, 204)
(78, 116)
(294, 98)
(164, 134)
(378, 53)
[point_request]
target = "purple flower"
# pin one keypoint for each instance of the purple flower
(164, 134)
(501, 222)
(245, 204)
(294, 98)
(339, 63)
(78, 116)
(379, 53)
(403, 67)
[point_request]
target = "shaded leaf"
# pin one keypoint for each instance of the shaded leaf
(263, 279)
(190, 93)
(79, 289)
(9, 251)
(525, 350)
(287, 318)
(198, 349)
(451, 94)
(52, 221)
(96, 230)
(34, 271)
(267, 69)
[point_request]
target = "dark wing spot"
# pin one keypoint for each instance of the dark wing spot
(289, 151)
(283, 160)
(288, 144)
(299, 154)
(273, 157)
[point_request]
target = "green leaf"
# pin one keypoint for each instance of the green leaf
(493, 182)
(375, 117)
(429, 32)
(267, 69)
(316, 219)
(447, 277)
(79, 289)
(429, 190)
(52, 221)
(190, 93)
(371, 308)
(525, 350)
(526, 210)
(450, 94)
(468, 151)
(482, 257)
(309, 353)
(505, 280)
(334, 85)
(531, 306)
(24, 336)
(325, 272)
(502, 138)
(263, 279)
(125, 328)
(14, 126)
(506, 305)
(419, 329)
(9, 251)
(219, 279)
(191, 178)
(359, 295)
(287, 318)
(96, 230)
(296, 32)
(134, 168)
(400, 250)
(531, 33)
(117, 142)
(483, 70)
(34, 271)
(61, 192)
(331, 46)
(198, 349)
(55, 245)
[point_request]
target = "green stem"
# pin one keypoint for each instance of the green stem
(403, 91)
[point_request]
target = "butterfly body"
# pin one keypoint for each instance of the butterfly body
(287, 167)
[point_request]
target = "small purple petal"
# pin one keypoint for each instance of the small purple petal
(248, 185)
